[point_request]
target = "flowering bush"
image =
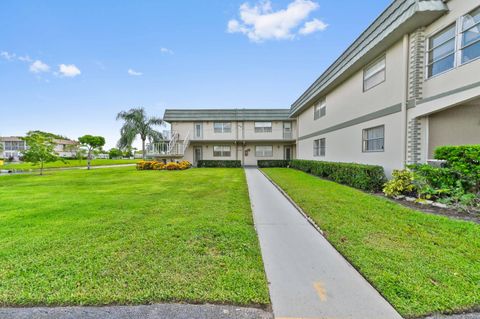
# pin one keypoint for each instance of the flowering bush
(171, 166)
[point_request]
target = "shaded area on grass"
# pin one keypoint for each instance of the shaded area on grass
(421, 263)
(121, 236)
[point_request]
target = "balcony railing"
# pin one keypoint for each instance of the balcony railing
(174, 147)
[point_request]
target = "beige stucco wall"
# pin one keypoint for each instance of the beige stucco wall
(251, 159)
(348, 102)
(244, 153)
(459, 125)
(345, 145)
(240, 131)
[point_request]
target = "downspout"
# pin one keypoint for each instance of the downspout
(236, 134)
(406, 54)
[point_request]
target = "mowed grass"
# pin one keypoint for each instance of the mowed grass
(421, 263)
(67, 163)
(121, 236)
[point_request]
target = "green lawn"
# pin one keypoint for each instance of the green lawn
(421, 263)
(68, 163)
(121, 236)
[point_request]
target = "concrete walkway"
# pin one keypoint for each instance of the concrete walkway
(308, 277)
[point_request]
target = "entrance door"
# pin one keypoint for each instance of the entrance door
(287, 150)
(197, 155)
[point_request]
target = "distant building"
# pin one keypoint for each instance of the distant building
(14, 146)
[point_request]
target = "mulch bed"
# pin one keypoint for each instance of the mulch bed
(448, 212)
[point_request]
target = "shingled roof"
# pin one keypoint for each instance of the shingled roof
(178, 115)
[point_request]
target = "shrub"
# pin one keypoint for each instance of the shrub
(464, 159)
(273, 163)
(158, 166)
(401, 183)
(171, 166)
(211, 163)
(365, 177)
(184, 165)
(145, 165)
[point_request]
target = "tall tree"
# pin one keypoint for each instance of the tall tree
(92, 143)
(136, 122)
(40, 150)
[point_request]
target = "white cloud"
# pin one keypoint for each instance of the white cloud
(12, 56)
(39, 67)
(166, 51)
(134, 73)
(24, 58)
(313, 26)
(69, 70)
(261, 23)
(7, 56)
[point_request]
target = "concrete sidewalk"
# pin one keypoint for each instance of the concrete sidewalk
(308, 277)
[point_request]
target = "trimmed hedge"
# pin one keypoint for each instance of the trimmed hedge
(273, 163)
(463, 158)
(365, 177)
(212, 163)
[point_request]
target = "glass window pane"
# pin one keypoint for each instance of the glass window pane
(442, 51)
(441, 65)
(374, 80)
(442, 37)
(471, 35)
(380, 65)
(470, 53)
(471, 19)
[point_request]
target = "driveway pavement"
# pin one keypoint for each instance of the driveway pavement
(308, 277)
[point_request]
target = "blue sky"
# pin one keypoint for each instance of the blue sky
(69, 67)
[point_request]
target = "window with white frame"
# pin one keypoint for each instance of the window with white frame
(319, 147)
(441, 51)
(320, 109)
(263, 127)
(222, 151)
(222, 127)
(264, 151)
(374, 139)
(470, 36)
(375, 73)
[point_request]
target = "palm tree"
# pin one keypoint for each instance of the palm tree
(138, 123)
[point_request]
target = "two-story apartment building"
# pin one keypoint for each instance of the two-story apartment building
(234, 134)
(408, 84)
(13, 146)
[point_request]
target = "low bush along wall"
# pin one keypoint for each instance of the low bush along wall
(457, 184)
(365, 177)
(212, 163)
(171, 166)
(273, 163)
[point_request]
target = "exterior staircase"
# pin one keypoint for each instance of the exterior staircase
(168, 149)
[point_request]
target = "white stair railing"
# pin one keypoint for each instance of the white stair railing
(172, 142)
(186, 142)
(174, 147)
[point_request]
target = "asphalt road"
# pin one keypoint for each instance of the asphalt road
(159, 311)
